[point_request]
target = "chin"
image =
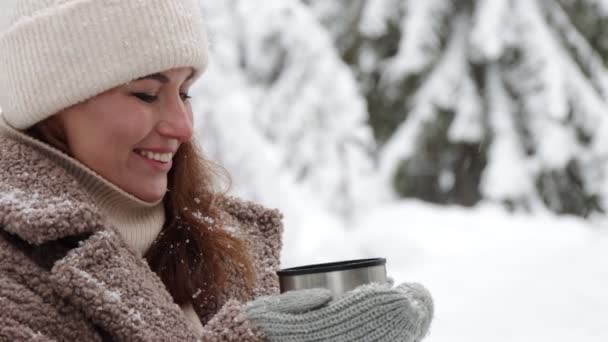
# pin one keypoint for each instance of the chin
(151, 196)
(153, 199)
(147, 189)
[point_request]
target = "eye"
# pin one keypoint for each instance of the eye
(146, 97)
(185, 96)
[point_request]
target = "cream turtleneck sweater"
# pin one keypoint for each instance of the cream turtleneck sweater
(137, 221)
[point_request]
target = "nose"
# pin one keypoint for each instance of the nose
(176, 121)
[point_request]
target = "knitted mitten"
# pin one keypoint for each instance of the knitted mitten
(375, 312)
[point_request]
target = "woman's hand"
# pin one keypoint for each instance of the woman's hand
(375, 312)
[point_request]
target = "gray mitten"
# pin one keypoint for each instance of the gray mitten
(375, 312)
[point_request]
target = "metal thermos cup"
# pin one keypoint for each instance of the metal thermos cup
(339, 277)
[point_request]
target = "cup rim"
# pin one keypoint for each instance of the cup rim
(332, 266)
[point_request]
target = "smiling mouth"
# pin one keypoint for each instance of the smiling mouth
(159, 157)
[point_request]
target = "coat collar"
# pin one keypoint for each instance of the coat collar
(115, 288)
(39, 200)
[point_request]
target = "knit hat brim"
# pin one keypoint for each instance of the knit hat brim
(69, 53)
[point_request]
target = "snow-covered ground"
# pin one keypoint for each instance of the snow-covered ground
(495, 276)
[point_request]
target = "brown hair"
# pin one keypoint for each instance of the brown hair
(191, 254)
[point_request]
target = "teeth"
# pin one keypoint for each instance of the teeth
(161, 157)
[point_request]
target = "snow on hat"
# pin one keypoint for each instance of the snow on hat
(57, 53)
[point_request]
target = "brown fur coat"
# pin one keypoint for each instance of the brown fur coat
(66, 276)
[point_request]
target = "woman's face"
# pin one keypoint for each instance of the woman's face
(130, 133)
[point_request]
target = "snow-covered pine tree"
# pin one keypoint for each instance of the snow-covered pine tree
(502, 100)
(281, 109)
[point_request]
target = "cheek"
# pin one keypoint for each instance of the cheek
(129, 132)
(127, 127)
(107, 139)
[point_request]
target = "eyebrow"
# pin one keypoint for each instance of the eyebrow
(162, 78)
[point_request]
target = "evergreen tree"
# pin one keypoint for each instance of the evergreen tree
(282, 109)
(501, 100)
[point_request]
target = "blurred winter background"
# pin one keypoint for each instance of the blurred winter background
(464, 140)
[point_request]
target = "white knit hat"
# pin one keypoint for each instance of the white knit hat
(57, 53)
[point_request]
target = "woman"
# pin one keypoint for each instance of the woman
(111, 228)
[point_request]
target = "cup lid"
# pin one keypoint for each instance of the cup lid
(332, 266)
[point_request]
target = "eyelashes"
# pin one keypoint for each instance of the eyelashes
(152, 98)
(145, 97)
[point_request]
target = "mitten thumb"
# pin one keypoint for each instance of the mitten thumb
(418, 295)
(293, 302)
(421, 303)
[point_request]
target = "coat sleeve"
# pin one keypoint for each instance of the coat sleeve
(11, 330)
(29, 311)
(231, 324)
(14, 328)
(261, 228)
(25, 316)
